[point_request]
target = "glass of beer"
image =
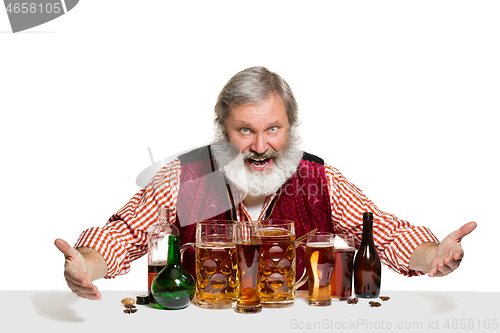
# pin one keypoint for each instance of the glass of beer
(341, 282)
(320, 260)
(277, 283)
(248, 247)
(216, 267)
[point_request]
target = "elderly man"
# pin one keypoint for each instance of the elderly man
(257, 112)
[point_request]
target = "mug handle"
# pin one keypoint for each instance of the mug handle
(303, 278)
(184, 248)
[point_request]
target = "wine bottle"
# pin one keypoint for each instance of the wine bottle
(367, 266)
(158, 246)
(173, 288)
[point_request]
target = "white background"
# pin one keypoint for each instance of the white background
(401, 96)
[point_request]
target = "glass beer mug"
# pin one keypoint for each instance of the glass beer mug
(277, 282)
(248, 246)
(216, 266)
(320, 260)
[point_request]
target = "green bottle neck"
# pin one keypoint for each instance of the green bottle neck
(174, 254)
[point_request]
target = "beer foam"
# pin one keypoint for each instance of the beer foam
(341, 244)
(320, 244)
(273, 231)
(159, 262)
(211, 245)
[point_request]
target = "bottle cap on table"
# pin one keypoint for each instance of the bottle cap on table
(142, 299)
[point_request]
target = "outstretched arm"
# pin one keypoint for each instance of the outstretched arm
(81, 267)
(443, 258)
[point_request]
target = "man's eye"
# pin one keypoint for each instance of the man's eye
(273, 129)
(245, 131)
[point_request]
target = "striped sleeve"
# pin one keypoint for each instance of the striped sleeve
(124, 237)
(395, 239)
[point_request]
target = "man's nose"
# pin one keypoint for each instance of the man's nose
(260, 144)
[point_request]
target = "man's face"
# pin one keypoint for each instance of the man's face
(259, 128)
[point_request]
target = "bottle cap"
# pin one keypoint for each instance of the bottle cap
(142, 299)
(368, 215)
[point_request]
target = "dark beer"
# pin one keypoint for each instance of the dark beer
(248, 273)
(341, 283)
(367, 266)
(153, 269)
(320, 260)
(277, 267)
(216, 279)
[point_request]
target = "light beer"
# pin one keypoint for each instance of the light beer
(320, 259)
(216, 279)
(277, 267)
(248, 273)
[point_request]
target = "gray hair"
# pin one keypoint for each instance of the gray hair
(253, 86)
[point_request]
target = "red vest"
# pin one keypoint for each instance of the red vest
(203, 195)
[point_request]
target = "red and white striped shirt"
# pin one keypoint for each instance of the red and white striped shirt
(124, 237)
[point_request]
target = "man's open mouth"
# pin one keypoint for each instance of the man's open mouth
(259, 163)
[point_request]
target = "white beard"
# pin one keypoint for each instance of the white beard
(252, 182)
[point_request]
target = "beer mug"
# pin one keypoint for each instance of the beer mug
(216, 268)
(277, 283)
(320, 260)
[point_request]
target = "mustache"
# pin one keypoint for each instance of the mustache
(270, 153)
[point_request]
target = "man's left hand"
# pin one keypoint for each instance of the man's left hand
(449, 252)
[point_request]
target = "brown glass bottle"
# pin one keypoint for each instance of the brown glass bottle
(367, 267)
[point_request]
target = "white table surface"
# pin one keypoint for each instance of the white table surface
(406, 311)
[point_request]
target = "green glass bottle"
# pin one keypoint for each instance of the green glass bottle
(173, 288)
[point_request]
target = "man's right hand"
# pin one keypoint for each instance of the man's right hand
(76, 272)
